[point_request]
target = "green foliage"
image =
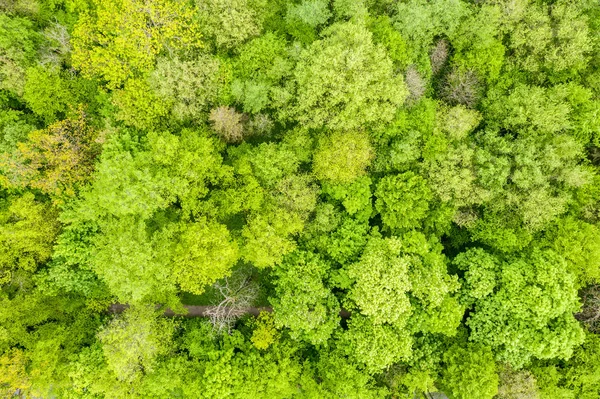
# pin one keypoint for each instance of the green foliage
(303, 303)
(377, 346)
(345, 81)
(480, 280)
(577, 241)
(264, 333)
(355, 196)
(385, 34)
(56, 161)
(14, 376)
(14, 128)
(533, 299)
(576, 378)
(402, 200)
(551, 42)
(138, 106)
(341, 238)
(478, 44)
(132, 342)
(204, 254)
(342, 157)
(229, 23)
(18, 46)
(345, 199)
(266, 238)
(46, 93)
(470, 372)
(419, 22)
(259, 69)
(350, 8)
(120, 39)
(190, 86)
(27, 231)
(134, 185)
(311, 12)
(338, 377)
(435, 308)
(379, 276)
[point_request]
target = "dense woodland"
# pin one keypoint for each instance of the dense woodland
(409, 190)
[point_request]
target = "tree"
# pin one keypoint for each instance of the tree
(337, 236)
(259, 71)
(342, 157)
(400, 288)
(14, 128)
(435, 308)
(385, 35)
(190, 86)
(120, 39)
(438, 56)
(303, 20)
(532, 297)
(419, 22)
(132, 342)
(590, 311)
(296, 194)
(57, 160)
(228, 23)
(133, 263)
(138, 105)
(204, 254)
(529, 110)
(477, 43)
(577, 241)
(18, 45)
(381, 282)
(269, 163)
(469, 372)
(355, 197)
(576, 378)
(415, 83)
(311, 12)
(237, 293)
(334, 375)
(461, 87)
(267, 237)
(46, 93)
(28, 229)
(516, 384)
(524, 190)
(14, 377)
(377, 346)
(479, 281)
(303, 303)
(552, 42)
(402, 200)
(264, 333)
(228, 123)
(58, 47)
(344, 81)
(124, 227)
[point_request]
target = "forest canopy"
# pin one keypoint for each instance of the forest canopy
(300, 199)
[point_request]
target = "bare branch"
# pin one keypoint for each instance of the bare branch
(239, 293)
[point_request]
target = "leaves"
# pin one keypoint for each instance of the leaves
(338, 84)
(350, 199)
